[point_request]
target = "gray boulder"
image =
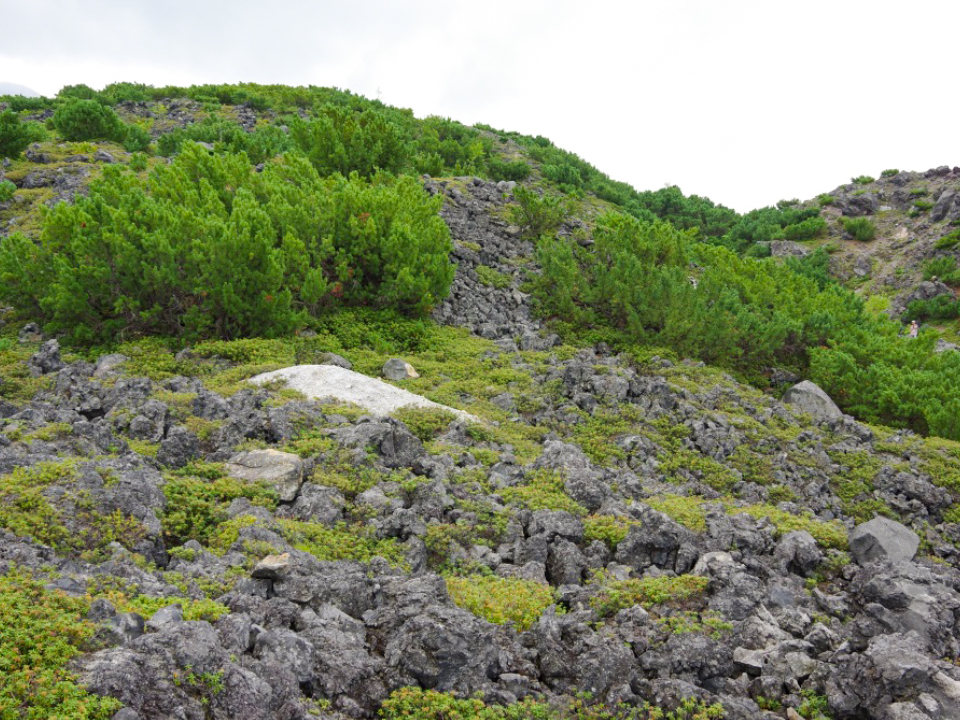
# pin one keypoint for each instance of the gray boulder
(944, 203)
(281, 469)
(397, 369)
(809, 398)
(47, 360)
(883, 539)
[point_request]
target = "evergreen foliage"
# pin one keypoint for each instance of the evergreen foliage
(783, 222)
(859, 228)
(736, 312)
(537, 214)
(79, 119)
(227, 136)
(636, 286)
(339, 140)
(15, 136)
(206, 247)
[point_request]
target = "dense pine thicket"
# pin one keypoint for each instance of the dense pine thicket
(208, 247)
(648, 283)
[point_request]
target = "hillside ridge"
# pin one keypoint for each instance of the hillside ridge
(626, 530)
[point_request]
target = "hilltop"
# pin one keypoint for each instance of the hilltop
(650, 511)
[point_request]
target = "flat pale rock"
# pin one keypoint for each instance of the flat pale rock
(330, 382)
(271, 566)
(282, 470)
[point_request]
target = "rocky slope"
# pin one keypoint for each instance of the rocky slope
(913, 213)
(697, 538)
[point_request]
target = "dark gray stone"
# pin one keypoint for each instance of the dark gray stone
(883, 539)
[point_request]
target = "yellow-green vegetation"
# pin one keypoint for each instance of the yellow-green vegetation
(598, 431)
(543, 491)
(648, 591)
(25, 511)
(828, 534)
(197, 500)
(707, 623)
(501, 600)
(414, 703)
(342, 542)
(686, 510)
(17, 382)
(854, 485)
(40, 631)
(147, 605)
(492, 278)
(753, 466)
(609, 529)
(426, 423)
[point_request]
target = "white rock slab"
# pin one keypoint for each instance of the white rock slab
(322, 382)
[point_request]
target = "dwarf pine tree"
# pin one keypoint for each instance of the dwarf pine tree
(207, 247)
(340, 140)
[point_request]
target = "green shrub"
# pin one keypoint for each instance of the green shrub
(636, 279)
(517, 170)
(889, 173)
(941, 307)
(609, 529)
(197, 506)
(80, 119)
(138, 162)
(19, 103)
(771, 223)
(136, 139)
(492, 278)
(862, 180)
(413, 703)
(861, 229)
(942, 268)
(79, 92)
(339, 140)
(948, 241)
(537, 214)
(544, 491)
(15, 136)
(617, 595)
(343, 542)
(828, 534)
(806, 229)
(922, 205)
(207, 247)
(564, 174)
(825, 199)
(40, 631)
(226, 135)
(7, 189)
(426, 423)
(119, 92)
(501, 600)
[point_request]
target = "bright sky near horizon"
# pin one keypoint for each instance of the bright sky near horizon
(743, 101)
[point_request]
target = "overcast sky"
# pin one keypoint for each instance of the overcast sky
(745, 102)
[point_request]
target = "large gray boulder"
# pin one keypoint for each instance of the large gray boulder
(883, 539)
(809, 398)
(282, 470)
